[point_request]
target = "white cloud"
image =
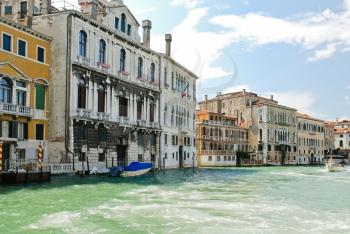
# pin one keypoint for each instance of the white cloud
(303, 101)
(323, 53)
(185, 3)
(326, 32)
(198, 50)
(236, 88)
(146, 10)
(246, 3)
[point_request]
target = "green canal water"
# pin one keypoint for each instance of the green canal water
(252, 200)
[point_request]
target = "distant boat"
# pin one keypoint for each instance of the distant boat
(136, 169)
(334, 164)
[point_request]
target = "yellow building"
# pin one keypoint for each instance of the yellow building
(24, 80)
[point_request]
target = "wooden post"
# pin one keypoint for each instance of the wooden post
(0, 157)
(40, 157)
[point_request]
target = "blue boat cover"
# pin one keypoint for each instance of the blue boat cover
(136, 166)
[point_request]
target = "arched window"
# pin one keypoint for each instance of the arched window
(139, 67)
(123, 23)
(5, 90)
(341, 143)
(81, 94)
(261, 134)
(82, 43)
(152, 110)
(153, 69)
(122, 60)
(102, 52)
(101, 98)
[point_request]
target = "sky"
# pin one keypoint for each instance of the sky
(296, 50)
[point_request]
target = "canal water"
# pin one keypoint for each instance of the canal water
(252, 200)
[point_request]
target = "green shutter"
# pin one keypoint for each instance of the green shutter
(40, 97)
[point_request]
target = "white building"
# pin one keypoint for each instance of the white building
(105, 93)
(178, 105)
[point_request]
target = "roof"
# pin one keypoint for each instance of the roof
(341, 130)
(308, 117)
(179, 65)
(25, 29)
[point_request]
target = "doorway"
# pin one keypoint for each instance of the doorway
(121, 156)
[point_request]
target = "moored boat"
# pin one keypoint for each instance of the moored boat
(136, 169)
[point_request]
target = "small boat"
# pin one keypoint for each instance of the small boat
(136, 169)
(334, 165)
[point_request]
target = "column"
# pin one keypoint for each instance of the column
(117, 106)
(147, 111)
(95, 104)
(131, 112)
(113, 103)
(108, 103)
(144, 109)
(135, 107)
(157, 112)
(90, 95)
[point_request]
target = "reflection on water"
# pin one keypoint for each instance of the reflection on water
(254, 200)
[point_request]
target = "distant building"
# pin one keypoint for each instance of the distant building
(311, 140)
(24, 85)
(329, 137)
(342, 135)
(219, 139)
(272, 127)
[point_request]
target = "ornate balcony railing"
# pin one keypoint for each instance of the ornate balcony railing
(218, 152)
(83, 113)
(8, 108)
(103, 116)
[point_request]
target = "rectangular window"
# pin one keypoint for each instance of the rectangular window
(102, 134)
(6, 42)
(22, 131)
(21, 153)
(116, 23)
(140, 157)
(21, 98)
(139, 110)
(22, 48)
(82, 133)
(82, 157)
(101, 157)
(8, 10)
(166, 156)
(39, 132)
(23, 11)
(129, 30)
(41, 54)
(13, 129)
(40, 97)
(165, 139)
(123, 107)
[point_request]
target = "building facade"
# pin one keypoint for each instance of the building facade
(272, 127)
(105, 93)
(342, 135)
(311, 140)
(24, 90)
(178, 105)
(329, 137)
(219, 140)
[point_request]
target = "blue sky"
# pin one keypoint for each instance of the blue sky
(297, 50)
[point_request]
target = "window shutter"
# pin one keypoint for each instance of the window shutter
(40, 97)
(13, 129)
(25, 131)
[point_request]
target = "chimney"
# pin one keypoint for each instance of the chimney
(271, 97)
(146, 25)
(243, 91)
(45, 7)
(206, 97)
(168, 39)
(89, 7)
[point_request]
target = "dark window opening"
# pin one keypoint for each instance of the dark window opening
(22, 45)
(123, 107)
(41, 54)
(39, 131)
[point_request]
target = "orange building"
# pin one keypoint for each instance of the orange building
(219, 139)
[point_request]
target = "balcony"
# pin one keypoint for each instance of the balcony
(124, 120)
(83, 114)
(84, 61)
(104, 67)
(103, 116)
(7, 108)
(154, 125)
(218, 152)
(141, 123)
(124, 75)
